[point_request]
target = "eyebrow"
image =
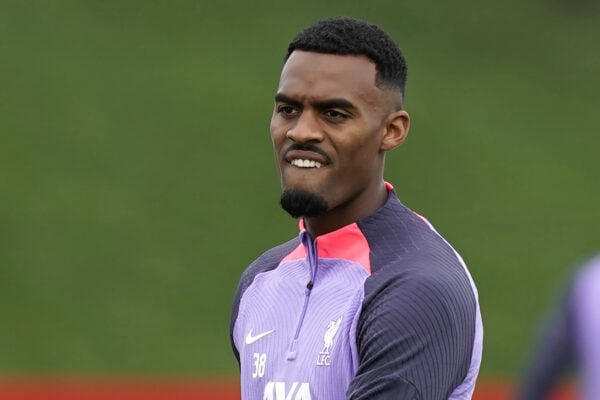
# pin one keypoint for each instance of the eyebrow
(282, 98)
(320, 104)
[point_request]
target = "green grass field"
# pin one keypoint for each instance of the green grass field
(137, 176)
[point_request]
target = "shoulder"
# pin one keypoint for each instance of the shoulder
(419, 284)
(397, 233)
(589, 272)
(407, 251)
(584, 291)
(267, 261)
(435, 293)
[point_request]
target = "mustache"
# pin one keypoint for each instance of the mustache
(306, 147)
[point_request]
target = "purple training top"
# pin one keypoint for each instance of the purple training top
(570, 337)
(383, 308)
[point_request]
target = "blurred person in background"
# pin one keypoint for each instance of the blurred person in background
(569, 340)
(368, 301)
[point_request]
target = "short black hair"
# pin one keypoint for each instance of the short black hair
(350, 36)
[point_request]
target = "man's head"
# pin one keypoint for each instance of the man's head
(338, 109)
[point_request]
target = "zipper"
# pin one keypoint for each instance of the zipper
(313, 262)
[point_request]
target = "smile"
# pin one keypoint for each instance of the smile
(306, 163)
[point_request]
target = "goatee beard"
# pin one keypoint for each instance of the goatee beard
(299, 203)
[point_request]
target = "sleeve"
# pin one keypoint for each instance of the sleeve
(415, 338)
(553, 353)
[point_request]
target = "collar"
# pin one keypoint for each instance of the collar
(347, 242)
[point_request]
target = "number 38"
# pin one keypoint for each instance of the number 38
(260, 359)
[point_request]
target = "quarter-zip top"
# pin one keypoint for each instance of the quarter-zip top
(385, 292)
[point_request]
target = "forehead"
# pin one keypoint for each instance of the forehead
(308, 75)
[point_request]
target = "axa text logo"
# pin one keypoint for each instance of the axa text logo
(281, 391)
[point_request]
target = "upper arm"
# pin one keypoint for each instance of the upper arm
(415, 338)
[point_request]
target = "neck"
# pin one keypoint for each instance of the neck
(351, 211)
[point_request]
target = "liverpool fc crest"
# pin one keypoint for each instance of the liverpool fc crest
(332, 329)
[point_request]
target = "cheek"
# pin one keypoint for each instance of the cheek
(362, 149)
(277, 134)
(361, 159)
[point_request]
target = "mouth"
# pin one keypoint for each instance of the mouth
(306, 159)
(305, 163)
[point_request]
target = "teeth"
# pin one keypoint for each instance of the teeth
(306, 164)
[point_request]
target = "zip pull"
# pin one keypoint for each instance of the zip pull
(309, 287)
(292, 353)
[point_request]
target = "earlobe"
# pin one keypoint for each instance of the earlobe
(396, 130)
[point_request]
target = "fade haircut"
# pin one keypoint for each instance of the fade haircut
(349, 36)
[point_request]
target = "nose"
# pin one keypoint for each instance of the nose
(306, 129)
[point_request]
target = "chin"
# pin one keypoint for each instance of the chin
(299, 202)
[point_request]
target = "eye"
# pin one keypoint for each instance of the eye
(286, 110)
(335, 115)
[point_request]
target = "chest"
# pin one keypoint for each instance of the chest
(293, 339)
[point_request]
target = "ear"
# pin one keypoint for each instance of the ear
(396, 129)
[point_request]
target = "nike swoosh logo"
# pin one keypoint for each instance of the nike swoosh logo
(251, 339)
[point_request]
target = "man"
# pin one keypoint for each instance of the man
(368, 302)
(571, 338)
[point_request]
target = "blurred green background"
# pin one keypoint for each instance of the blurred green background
(137, 179)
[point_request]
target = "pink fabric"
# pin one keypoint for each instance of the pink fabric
(347, 243)
(298, 254)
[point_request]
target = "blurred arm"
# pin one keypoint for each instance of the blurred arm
(553, 352)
